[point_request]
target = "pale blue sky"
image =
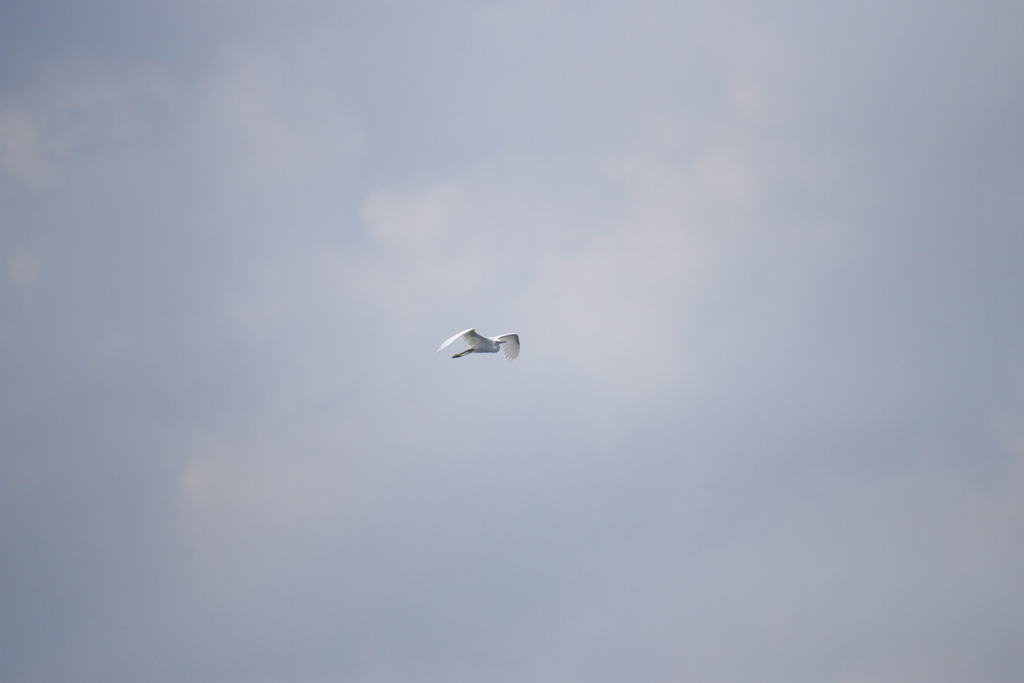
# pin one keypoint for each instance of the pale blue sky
(765, 261)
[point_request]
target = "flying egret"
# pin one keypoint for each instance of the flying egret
(509, 343)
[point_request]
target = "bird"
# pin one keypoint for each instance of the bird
(509, 343)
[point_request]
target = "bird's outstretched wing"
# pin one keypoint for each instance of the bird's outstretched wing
(470, 335)
(511, 345)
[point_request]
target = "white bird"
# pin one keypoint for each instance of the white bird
(509, 343)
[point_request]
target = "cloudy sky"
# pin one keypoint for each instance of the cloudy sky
(766, 260)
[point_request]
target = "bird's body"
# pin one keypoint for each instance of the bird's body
(509, 343)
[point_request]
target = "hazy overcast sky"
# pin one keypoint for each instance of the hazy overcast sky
(766, 260)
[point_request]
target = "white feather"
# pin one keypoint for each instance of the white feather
(509, 343)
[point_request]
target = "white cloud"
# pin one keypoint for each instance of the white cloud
(418, 220)
(23, 269)
(18, 144)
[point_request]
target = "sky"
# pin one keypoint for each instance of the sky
(766, 260)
